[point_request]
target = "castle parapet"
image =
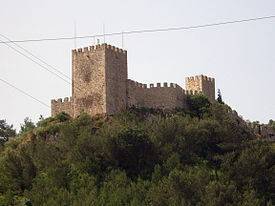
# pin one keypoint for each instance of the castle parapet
(192, 92)
(136, 84)
(152, 85)
(98, 47)
(100, 71)
(60, 100)
(200, 77)
(62, 105)
(164, 85)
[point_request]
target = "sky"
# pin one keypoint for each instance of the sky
(239, 56)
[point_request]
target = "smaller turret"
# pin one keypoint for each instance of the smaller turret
(201, 84)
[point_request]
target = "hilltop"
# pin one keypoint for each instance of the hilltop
(203, 155)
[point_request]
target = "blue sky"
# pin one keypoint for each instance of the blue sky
(239, 56)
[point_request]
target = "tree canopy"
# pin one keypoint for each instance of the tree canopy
(6, 132)
(200, 156)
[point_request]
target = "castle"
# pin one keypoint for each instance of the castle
(100, 85)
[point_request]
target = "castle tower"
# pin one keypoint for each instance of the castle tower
(100, 85)
(99, 78)
(201, 84)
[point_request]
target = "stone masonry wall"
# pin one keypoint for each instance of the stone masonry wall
(116, 79)
(100, 85)
(135, 93)
(166, 96)
(208, 87)
(60, 105)
(201, 84)
(88, 76)
(193, 83)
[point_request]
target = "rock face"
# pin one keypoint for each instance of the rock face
(100, 85)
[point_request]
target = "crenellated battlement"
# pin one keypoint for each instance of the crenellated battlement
(201, 84)
(101, 75)
(155, 95)
(98, 47)
(164, 85)
(200, 77)
(136, 84)
(192, 92)
(60, 105)
(153, 85)
(60, 100)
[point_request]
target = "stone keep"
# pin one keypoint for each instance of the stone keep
(99, 80)
(100, 85)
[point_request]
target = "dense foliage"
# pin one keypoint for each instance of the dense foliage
(272, 123)
(202, 156)
(219, 98)
(6, 132)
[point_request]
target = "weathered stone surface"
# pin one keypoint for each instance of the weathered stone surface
(116, 79)
(89, 81)
(100, 85)
(60, 105)
(155, 97)
(203, 84)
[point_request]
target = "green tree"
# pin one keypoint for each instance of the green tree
(133, 152)
(253, 167)
(219, 193)
(6, 132)
(219, 98)
(272, 124)
(250, 198)
(115, 190)
(204, 155)
(198, 104)
(26, 126)
(18, 170)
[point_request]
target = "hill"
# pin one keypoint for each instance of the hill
(205, 155)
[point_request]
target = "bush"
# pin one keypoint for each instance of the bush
(202, 156)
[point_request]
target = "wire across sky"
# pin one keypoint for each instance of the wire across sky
(143, 31)
(25, 93)
(48, 67)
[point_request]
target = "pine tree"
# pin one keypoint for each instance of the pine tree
(219, 99)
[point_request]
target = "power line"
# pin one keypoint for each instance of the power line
(144, 30)
(42, 66)
(36, 57)
(101, 35)
(198, 26)
(23, 92)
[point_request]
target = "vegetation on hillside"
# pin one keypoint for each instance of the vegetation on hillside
(203, 156)
(6, 132)
(272, 124)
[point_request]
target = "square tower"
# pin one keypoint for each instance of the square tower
(201, 84)
(99, 77)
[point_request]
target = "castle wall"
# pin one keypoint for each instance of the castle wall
(116, 79)
(89, 85)
(60, 105)
(100, 85)
(208, 85)
(135, 93)
(166, 96)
